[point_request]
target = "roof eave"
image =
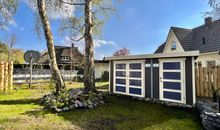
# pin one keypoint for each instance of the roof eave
(153, 56)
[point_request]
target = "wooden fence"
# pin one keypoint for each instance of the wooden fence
(207, 80)
(6, 76)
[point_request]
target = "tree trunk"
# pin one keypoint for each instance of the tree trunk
(50, 46)
(89, 73)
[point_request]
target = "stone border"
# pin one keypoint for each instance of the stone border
(209, 118)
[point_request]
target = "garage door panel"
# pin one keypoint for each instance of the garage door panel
(135, 82)
(120, 73)
(172, 75)
(172, 85)
(121, 81)
(172, 95)
(137, 91)
(135, 74)
(121, 66)
(120, 88)
(135, 66)
(171, 65)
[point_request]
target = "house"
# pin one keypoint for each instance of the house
(64, 55)
(101, 66)
(168, 74)
(205, 38)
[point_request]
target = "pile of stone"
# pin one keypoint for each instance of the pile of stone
(210, 118)
(73, 99)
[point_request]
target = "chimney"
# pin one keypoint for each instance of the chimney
(72, 45)
(208, 20)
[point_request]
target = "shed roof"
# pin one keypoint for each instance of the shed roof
(153, 56)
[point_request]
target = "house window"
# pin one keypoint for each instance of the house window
(211, 63)
(173, 46)
(65, 58)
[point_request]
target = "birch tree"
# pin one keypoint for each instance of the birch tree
(41, 6)
(90, 21)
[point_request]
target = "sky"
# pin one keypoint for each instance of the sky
(139, 26)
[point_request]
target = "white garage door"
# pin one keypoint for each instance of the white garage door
(129, 78)
(172, 80)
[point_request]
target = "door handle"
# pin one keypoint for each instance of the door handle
(160, 79)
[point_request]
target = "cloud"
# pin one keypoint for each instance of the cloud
(12, 23)
(63, 12)
(98, 43)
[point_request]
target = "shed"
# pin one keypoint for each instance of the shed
(166, 76)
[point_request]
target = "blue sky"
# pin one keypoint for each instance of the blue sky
(139, 26)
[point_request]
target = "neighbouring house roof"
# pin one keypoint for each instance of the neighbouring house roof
(64, 51)
(192, 39)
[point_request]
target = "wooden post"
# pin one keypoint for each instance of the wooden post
(2, 76)
(10, 75)
(197, 81)
(6, 76)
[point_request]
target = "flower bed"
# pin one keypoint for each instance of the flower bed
(73, 99)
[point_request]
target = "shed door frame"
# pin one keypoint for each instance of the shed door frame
(182, 80)
(128, 78)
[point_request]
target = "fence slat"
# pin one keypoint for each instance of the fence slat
(207, 80)
(2, 76)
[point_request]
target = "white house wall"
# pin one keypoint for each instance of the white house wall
(170, 39)
(100, 68)
(203, 58)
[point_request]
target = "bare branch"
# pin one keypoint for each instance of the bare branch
(70, 3)
(77, 39)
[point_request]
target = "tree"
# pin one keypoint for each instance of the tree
(7, 10)
(41, 5)
(90, 20)
(122, 52)
(215, 9)
(10, 42)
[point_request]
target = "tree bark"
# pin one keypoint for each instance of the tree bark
(89, 73)
(50, 46)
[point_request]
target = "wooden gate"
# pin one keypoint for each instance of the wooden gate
(207, 80)
(6, 76)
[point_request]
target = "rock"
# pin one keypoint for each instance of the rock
(76, 105)
(66, 109)
(90, 107)
(80, 93)
(58, 110)
(89, 101)
(71, 107)
(80, 104)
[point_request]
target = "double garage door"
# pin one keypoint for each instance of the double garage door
(129, 78)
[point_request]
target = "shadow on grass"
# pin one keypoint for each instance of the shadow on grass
(19, 102)
(126, 113)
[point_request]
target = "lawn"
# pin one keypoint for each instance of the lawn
(21, 110)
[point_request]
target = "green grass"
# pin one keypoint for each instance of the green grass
(20, 110)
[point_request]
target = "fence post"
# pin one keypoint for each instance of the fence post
(1, 76)
(6, 76)
(10, 75)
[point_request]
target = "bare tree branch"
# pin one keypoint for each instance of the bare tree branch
(77, 39)
(70, 3)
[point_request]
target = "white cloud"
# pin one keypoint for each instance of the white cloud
(65, 11)
(12, 23)
(98, 43)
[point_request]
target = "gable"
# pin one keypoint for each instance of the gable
(172, 38)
